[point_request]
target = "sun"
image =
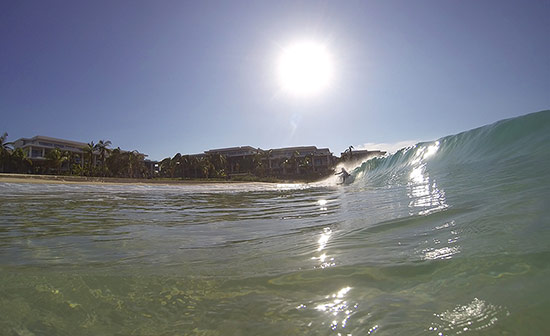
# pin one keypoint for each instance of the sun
(305, 68)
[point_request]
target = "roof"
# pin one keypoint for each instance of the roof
(233, 151)
(50, 139)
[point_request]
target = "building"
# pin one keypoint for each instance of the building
(288, 161)
(299, 160)
(38, 147)
(360, 155)
(231, 152)
(239, 160)
(152, 166)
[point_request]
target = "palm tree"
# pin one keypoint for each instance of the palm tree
(186, 163)
(4, 145)
(267, 156)
(306, 164)
(71, 158)
(135, 164)
(165, 167)
(218, 163)
(56, 159)
(19, 161)
(292, 162)
(89, 150)
(312, 159)
(258, 162)
(5, 148)
(194, 164)
(205, 167)
(115, 162)
(101, 147)
(348, 153)
(175, 166)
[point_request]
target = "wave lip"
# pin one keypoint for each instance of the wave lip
(505, 140)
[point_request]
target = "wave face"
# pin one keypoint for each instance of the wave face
(446, 237)
(520, 142)
(491, 162)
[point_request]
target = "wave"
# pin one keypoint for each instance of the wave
(524, 140)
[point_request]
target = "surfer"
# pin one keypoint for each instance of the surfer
(344, 175)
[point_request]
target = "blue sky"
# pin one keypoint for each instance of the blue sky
(185, 76)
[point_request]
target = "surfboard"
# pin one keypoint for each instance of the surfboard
(349, 180)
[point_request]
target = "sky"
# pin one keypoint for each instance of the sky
(163, 77)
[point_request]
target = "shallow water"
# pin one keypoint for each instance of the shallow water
(444, 238)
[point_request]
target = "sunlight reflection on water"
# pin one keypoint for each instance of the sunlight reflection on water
(476, 315)
(443, 244)
(325, 260)
(423, 192)
(261, 258)
(337, 309)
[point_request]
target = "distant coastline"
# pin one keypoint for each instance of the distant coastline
(73, 161)
(64, 179)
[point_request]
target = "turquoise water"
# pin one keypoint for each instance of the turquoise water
(444, 238)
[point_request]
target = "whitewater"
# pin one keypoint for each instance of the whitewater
(445, 237)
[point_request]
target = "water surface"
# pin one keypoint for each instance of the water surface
(444, 238)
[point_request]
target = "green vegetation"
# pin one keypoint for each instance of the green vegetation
(188, 166)
(256, 167)
(55, 159)
(11, 160)
(96, 160)
(99, 160)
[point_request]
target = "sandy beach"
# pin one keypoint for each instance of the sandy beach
(60, 179)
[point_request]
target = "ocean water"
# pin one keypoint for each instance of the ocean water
(446, 237)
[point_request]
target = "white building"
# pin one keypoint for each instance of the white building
(37, 147)
(278, 161)
(319, 160)
(360, 155)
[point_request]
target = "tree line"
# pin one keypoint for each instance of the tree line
(251, 166)
(95, 160)
(98, 159)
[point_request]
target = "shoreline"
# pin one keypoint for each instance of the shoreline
(61, 179)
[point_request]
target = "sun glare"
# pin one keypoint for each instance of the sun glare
(305, 69)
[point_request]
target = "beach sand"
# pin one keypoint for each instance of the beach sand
(59, 179)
